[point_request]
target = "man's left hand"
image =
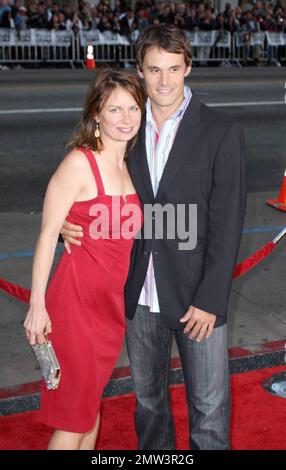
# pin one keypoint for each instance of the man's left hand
(200, 323)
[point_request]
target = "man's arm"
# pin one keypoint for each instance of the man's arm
(69, 233)
(225, 223)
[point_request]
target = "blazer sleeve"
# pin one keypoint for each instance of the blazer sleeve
(225, 223)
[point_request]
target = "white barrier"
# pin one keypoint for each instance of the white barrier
(265, 45)
(107, 46)
(106, 38)
(210, 46)
(35, 37)
(38, 45)
(276, 39)
(209, 38)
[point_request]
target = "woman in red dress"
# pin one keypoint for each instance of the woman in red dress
(83, 307)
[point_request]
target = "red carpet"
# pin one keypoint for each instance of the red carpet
(258, 419)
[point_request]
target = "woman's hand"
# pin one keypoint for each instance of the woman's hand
(37, 324)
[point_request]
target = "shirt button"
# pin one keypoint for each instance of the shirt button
(153, 216)
(155, 252)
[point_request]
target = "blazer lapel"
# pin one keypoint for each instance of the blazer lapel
(188, 131)
(140, 171)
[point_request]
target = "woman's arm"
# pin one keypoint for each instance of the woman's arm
(63, 189)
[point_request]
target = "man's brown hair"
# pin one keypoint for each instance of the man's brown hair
(163, 36)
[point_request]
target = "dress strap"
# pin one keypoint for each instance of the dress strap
(94, 166)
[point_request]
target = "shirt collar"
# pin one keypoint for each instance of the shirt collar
(178, 113)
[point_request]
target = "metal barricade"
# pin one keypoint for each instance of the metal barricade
(7, 42)
(222, 48)
(276, 47)
(37, 46)
(127, 54)
(249, 47)
(260, 47)
(283, 52)
(107, 46)
(63, 48)
(210, 46)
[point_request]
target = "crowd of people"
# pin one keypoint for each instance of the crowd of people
(117, 16)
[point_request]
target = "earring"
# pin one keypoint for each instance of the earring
(97, 131)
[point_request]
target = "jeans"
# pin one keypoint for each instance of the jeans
(206, 376)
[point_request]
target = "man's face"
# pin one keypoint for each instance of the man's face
(164, 74)
(41, 9)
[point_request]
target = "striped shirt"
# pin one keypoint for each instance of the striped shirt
(158, 147)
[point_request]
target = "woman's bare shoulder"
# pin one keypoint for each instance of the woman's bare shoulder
(76, 159)
(73, 169)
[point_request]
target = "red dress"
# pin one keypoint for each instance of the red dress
(85, 301)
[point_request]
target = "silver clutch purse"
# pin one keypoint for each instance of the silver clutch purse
(48, 363)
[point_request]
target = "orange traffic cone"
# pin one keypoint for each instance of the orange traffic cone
(280, 203)
(90, 62)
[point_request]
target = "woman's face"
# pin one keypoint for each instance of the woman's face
(120, 117)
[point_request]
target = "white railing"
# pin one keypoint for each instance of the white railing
(40, 46)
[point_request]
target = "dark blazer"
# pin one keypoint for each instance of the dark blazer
(124, 26)
(206, 166)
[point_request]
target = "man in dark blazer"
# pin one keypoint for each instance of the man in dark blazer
(128, 23)
(186, 153)
(205, 167)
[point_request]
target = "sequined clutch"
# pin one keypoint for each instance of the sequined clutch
(49, 364)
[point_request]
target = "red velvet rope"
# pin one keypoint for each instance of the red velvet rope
(23, 294)
(19, 292)
(253, 260)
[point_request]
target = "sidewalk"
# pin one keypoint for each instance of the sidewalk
(257, 308)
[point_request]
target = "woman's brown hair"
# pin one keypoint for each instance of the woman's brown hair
(163, 36)
(99, 91)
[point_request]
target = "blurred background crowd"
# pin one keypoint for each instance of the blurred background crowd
(123, 17)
